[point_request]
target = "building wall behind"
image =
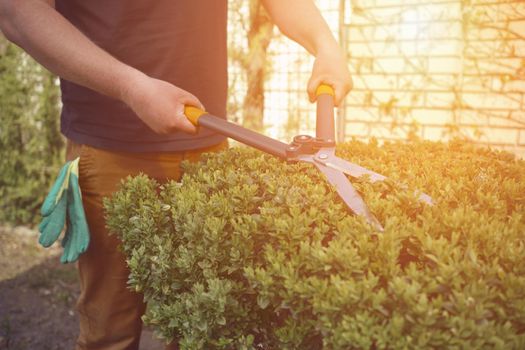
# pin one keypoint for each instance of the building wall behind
(436, 70)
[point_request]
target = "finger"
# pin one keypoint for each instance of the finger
(52, 225)
(339, 94)
(55, 193)
(312, 87)
(182, 122)
(69, 254)
(341, 90)
(76, 211)
(189, 99)
(186, 126)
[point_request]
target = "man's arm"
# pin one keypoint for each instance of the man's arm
(301, 21)
(55, 43)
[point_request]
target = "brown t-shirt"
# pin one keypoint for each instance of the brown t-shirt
(180, 41)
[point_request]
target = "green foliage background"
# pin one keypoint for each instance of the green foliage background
(31, 147)
(254, 253)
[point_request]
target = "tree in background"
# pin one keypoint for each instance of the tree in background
(31, 147)
(251, 57)
(259, 37)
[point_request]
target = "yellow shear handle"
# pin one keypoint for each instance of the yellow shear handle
(324, 89)
(193, 114)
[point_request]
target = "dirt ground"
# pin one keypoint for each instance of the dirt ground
(38, 295)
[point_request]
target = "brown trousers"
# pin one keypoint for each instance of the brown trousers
(110, 313)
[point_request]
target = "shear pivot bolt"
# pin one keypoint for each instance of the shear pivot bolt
(323, 156)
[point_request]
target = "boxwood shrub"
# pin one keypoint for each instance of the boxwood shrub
(249, 252)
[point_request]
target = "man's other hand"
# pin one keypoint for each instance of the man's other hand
(330, 68)
(160, 104)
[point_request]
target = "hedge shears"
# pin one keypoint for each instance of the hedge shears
(318, 150)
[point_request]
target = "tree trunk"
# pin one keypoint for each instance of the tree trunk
(259, 37)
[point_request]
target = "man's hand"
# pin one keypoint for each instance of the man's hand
(301, 21)
(330, 68)
(160, 104)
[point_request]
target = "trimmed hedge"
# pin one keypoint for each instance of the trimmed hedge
(249, 252)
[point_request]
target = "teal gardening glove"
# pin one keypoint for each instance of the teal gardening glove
(64, 203)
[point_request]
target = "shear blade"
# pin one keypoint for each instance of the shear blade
(353, 169)
(356, 171)
(348, 193)
(423, 197)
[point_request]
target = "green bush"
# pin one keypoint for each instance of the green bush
(31, 147)
(249, 252)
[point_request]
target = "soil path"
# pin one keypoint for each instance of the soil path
(38, 294)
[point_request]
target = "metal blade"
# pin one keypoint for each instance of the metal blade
(354, 170)
(423, 197)
(348, 193)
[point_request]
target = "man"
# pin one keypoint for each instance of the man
(127, 70)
